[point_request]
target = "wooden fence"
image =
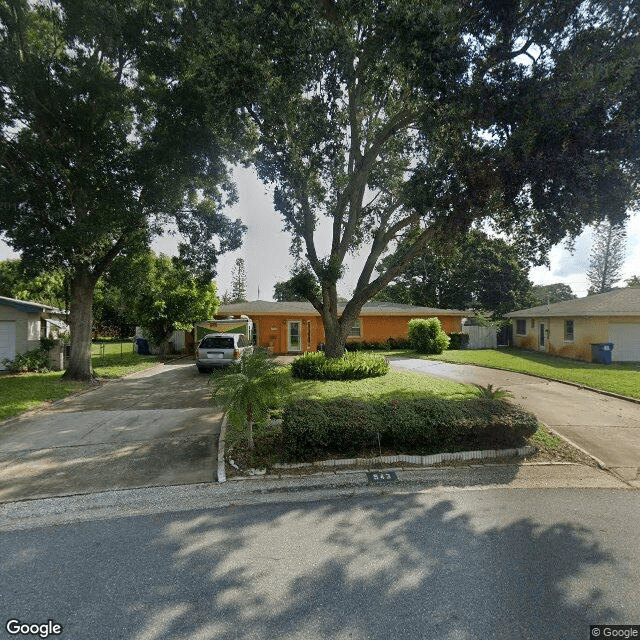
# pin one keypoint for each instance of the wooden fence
(481, 337)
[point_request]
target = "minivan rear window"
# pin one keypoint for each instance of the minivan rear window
(217, 342)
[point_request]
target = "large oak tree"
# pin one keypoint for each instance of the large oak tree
(105, 141)
(385, 117)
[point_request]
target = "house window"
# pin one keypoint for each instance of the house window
(568, 330)
(356, 330)
(308, 333)
(521, 327)
(533, 323)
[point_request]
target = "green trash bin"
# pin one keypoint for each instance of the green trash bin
(601, 352)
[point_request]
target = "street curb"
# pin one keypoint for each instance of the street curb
(221, 476)
(602, 465)
(577, 385)
(599, 462)
(144, 501)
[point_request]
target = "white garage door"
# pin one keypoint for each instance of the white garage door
(7, 341)
(626, 342)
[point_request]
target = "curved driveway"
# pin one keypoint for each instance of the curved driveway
(605, 427)
(153, 428)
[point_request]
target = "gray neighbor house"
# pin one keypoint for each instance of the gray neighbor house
(23, 323)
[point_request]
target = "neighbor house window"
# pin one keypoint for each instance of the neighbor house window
(521, 327)
(356, 330)
(568, 330)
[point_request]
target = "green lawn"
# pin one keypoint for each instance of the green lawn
(19, 393)
(116, 359)
(618, 378)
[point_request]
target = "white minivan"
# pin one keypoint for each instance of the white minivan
(217, 350)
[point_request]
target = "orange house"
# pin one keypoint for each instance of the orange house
(296, 327)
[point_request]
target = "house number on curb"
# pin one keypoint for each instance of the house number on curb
(381, 476)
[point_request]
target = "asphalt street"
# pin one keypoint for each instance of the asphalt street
(436, 563)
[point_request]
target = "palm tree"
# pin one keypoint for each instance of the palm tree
(248, 389)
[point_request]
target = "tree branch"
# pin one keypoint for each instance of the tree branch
(110, 255)
(354, 192)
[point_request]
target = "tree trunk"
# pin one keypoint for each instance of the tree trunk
(164, 348)
(334, 345)
(80, 321)
(336, 329)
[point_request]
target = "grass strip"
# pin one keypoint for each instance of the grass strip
(623, 379)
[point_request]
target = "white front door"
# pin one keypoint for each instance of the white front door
(294, 341)
(7, 342)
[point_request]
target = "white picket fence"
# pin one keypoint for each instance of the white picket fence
(481, 337)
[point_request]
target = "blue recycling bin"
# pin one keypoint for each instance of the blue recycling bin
(601, 352)
(142, 347)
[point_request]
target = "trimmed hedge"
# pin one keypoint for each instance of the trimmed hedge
(391, 343)
(351, 366)
(313, 429)
(426, 336)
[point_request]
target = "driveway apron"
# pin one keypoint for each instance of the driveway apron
(156, 427)
(605, 427)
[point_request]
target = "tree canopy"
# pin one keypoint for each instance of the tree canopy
(104, 142)
(386, 117)
(48, 287)
(550, 293)
(170, 299)
(479, 273)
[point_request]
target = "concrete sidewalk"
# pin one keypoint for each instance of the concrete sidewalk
(154, 428)
(605, 427)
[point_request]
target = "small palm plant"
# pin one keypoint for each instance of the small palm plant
(248, 389)
(489, 393)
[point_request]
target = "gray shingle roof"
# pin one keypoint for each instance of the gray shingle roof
(618, 302)
(28, 307)
(305, 308)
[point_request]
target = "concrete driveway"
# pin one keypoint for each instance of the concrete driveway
(605, 427)
(153, 428)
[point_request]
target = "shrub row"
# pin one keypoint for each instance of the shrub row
(313, 429)
(34, 360)
(351, 366)
(390, 343)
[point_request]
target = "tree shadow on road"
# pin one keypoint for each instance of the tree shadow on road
(412, 566)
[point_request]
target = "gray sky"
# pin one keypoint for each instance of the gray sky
(267, 259)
